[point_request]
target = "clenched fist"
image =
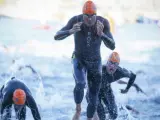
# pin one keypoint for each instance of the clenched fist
(76, 27)
(100, 27)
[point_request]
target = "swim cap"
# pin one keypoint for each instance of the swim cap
(114, 57)
(19, 97)
(89, 8)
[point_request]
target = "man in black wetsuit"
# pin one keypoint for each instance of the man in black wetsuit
(17, 93)
(89, 31)
(112, 72)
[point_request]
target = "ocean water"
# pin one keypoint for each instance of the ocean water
(52, 86)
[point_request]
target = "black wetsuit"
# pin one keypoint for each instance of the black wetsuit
(6, 95)
(106, 94)
(87, 58)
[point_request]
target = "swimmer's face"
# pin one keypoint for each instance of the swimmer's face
(111, 67)
(89, 19)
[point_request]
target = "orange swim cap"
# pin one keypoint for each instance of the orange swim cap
(89, 8)
(19, 97)
(114, 57)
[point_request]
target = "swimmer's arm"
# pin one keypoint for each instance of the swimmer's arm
(65, 31)
(107, 36)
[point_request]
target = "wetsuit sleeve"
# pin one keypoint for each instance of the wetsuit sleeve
(6, 105)
(2, 107)
(107, 36)
(64, 32)
(1, 95)
(34, 109)
(7, 110)
(130, 75)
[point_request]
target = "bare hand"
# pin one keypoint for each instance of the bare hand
(76, 27)
(100, 28)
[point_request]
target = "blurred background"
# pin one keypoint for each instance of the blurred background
(27, 29)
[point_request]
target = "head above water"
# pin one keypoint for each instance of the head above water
(89, 13)
(19, 97)
(89, 8)
(113, 62)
